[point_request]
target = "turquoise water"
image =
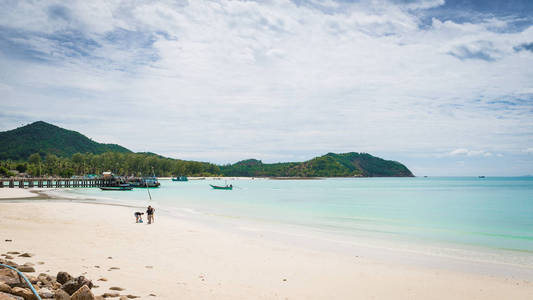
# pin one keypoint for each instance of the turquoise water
(494, 213)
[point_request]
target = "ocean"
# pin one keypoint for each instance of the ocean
(486, 218)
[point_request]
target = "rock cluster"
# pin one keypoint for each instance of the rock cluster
(60, 287)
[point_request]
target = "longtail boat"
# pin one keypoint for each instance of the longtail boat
(117, 188)
(180, 178)
(217, 187)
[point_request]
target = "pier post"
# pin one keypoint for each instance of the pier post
(11, 183)
(30, 183)
(21, 183)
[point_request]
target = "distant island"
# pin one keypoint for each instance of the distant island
(40, 149)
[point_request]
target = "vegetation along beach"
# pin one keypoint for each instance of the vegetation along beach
(266, 149)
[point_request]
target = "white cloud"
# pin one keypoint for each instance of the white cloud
(270, 78)
(466, 152)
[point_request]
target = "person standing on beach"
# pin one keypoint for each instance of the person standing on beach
(150, 212)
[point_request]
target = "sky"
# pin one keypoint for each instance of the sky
(445, 87)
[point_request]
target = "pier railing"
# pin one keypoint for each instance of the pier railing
(53, 182)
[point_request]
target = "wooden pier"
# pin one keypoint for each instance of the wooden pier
(53, 182)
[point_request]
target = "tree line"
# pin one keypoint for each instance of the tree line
(135, 164)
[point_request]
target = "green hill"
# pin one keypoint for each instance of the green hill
(68, 152)
(329, 165)
(41, 137)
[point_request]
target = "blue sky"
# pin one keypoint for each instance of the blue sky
(443, 86)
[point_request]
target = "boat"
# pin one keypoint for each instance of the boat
(218, 187)
(122, 187)
(180, 178)
(481, 176)
(144, 182)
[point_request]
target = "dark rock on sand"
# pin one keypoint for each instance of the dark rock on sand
(5, 296)
(83, 293)
(132, 296)
(25, 293)
(61, 295)
(26, 269)
(63, 277)
(110, 295)
(26, 255)
(73, 285)
(102, 279)
(5, 288)
(9, 277)
(116, 288)
(13, 252)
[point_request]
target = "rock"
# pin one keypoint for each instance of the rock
(132, 296)
(29, 264)
(11, 263)
(13, 252)
(8, 257)
(4, 296)
(114, 268)
(46, 279)
(73, 285)
(9, 277)
(5, 288)
(83, 293)
(63, 277)
(61, 295)
(40, 262)
(46, 293)
(116, 288)
(152, 295)
(26, 269)
(25, 293)
(25, 254)
(110, 295)
(32, 279)
(102, 279)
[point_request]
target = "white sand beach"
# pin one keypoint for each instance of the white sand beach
(16, 193)
(177, 259)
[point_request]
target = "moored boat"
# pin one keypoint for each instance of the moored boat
(122, 187)
(144, 182)
(218, 187)
(180, 178)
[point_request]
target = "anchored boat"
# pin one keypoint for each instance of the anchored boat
(218, 187)
(122, 187)
(145, 182)
(180, 178)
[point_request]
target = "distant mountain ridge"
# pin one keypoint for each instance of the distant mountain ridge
(44, 138)
(329, 165)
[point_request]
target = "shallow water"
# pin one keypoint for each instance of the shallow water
(488, 213)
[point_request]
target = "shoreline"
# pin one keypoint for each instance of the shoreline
(453, 257)
(201, 261)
